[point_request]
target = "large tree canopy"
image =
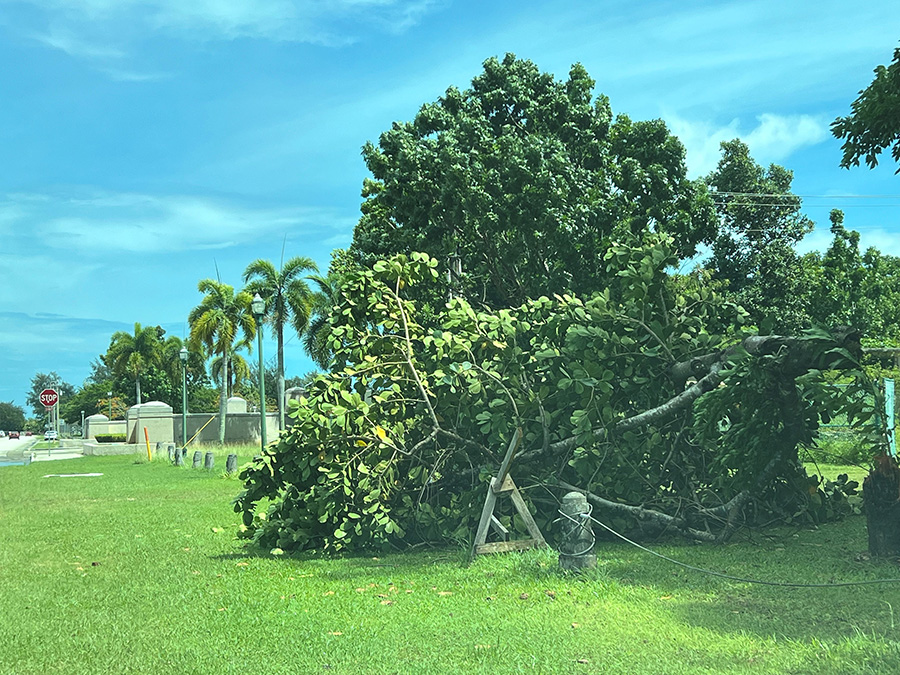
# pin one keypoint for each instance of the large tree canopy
(874, 123)
(526, 179)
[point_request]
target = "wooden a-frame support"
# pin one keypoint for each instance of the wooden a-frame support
(503, 484)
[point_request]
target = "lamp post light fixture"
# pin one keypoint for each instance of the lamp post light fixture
(258, 307)
(183, 355)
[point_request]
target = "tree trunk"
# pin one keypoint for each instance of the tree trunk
(881, 495)
(223, 398)
(280, 380)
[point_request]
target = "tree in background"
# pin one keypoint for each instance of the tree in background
(526, 180)
(41, 381)
(135, 354)
(854, 289)
(12, 417)
(239, 372)
(874, 123)
(215, 323)
(287, 301)
(759, 225)
(92, 398)
(316, 340)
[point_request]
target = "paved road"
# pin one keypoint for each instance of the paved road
(12, 449)
(15, 447)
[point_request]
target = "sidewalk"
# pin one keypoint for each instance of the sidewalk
(67, 449)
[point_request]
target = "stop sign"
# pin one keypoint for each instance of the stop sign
(49, 398)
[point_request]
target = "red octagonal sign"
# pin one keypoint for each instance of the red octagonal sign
(49, 398)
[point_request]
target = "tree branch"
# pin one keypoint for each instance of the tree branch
(655, 518)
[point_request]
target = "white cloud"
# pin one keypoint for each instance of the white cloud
(127, 222)
(773, 139)
(777, 137)
(78, 47)
(289, 20)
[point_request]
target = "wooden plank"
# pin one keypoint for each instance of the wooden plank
(487, 512)
(510, 452)
(522, 508)
(499, 529)
(507, 546)
(505, 486)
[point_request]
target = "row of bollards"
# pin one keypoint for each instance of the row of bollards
(177, 455)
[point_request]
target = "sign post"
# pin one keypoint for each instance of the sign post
(49, 398)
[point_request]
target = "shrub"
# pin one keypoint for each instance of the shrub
(110, 438)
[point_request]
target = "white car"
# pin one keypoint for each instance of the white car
(50, 436)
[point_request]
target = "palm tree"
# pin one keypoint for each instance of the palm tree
(322, 300)
(287, 301)
(215, 323)
(238, 370)
(132, 354)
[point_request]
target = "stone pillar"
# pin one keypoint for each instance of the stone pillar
(209, 461)
(179, 458)
(576, 547)
(231, 464)
(198, 457)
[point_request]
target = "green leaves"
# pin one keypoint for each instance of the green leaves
(397, 443)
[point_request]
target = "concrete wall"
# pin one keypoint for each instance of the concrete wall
(164, 426)
(100, 424)
(239, 427)
(113, 449)
(155, 417)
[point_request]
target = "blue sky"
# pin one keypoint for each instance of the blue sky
(144, 144)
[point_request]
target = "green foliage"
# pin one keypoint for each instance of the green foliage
(398, 441)
(526, 179)
(288, 301)
(110, 438)
(91, 398)
(135, 354)
(848, 287)
(12, 417)
(322, 300)
(753, 252)
(874, 124)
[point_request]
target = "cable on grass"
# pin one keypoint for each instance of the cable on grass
(721, 574)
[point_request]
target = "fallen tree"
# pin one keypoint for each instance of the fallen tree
(651, 397)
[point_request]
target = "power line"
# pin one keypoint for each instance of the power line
(787, 195)
(798, 206)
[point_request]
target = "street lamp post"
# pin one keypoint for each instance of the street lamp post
(109, 400)
(183, 355)
(258, 307)
(82, 423)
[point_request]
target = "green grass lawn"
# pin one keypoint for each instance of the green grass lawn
(139, 571)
